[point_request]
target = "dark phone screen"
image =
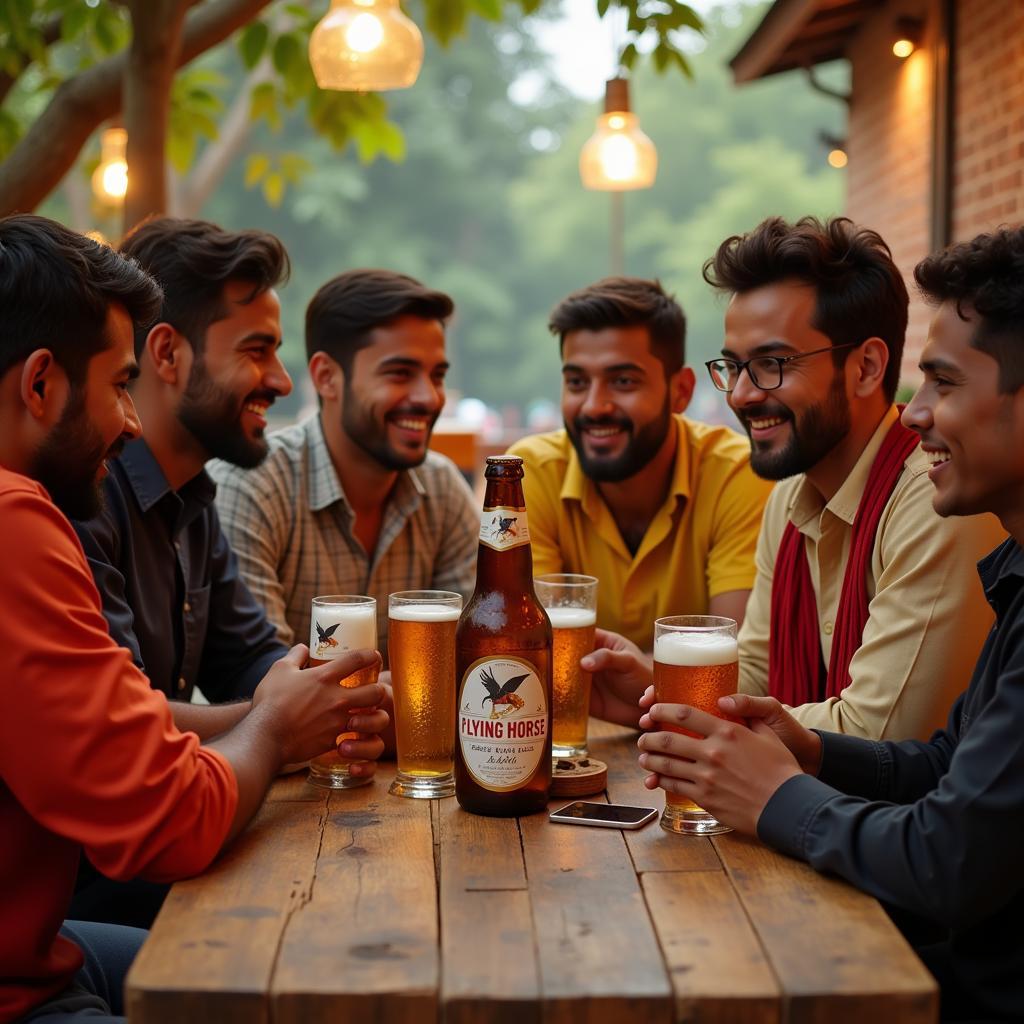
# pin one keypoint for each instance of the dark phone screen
(621, 814)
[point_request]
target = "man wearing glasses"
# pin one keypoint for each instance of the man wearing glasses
(866, 614)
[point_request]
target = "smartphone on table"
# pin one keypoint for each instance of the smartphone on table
(583, 812)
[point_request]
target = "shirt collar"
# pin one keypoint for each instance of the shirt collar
(150, 486)
(1002, 574)
(577, 486)
(806, 502)
(325, 488)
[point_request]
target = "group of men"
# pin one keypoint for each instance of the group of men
(122, 375)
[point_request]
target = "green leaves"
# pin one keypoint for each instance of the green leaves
(195, 109)
(252, 43)
(275, 173)
(661, 20)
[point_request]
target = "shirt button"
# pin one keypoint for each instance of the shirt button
(182, 685)
(828, 629)
(187, 608)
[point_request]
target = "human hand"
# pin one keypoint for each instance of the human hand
(766, 714)
(309, 708)
(730, 771)
(621, 671)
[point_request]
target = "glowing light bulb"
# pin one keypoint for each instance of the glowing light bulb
(618, 156)
(364, 46)
(837, 158)
(902, 48)
(110, 179)
(365, 33)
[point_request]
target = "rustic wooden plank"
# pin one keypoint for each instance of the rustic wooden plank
(599, 956)
(652, 848)
(719, 971)
(209, 957)
(365, 945)
(294, 786)
(489, 971)
(834, 950)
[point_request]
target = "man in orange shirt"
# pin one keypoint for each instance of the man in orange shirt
(90, 758)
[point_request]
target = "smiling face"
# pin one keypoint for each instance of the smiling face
(793, 427)
(97, 419)
(394, 392)
(235, 378)
(973, 434)
(616, 401)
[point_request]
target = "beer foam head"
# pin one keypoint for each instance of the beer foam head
(356, 627)
(571, 618)
(424, 613)
(693, 649)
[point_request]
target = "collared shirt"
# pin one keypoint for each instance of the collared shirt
(700, 542)
(171, 590)
(293, 530)
(90, 759)
(927, 615)
(936, 828)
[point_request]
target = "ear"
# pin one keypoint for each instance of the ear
(169, 352)
(44, 385)
(327, 376)
(680, 389)
(868, 366)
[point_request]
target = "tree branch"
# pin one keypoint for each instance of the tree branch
(219, 154)
(80, 104)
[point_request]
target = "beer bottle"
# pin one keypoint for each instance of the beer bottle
(503, 663)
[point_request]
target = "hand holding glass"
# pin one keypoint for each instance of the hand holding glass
(339, 623)
(696, 661)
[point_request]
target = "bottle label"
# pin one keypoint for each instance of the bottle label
(503, 722)
(502, 527)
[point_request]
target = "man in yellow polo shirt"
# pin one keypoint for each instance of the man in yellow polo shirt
(664, 511)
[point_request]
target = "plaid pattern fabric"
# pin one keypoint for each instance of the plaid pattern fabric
(291, 527)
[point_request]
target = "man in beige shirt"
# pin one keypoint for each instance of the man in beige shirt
(813, 338)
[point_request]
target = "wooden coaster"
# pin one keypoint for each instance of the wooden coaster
(578, 776)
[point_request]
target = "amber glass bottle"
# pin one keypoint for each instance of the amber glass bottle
(503, 645)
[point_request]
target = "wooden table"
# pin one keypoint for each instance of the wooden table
(359, 906)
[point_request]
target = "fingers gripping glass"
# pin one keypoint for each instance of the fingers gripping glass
(765, 372)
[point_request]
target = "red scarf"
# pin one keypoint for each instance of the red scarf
(795, 667)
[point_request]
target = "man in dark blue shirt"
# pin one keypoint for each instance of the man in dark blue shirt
(935, 829)
(209, 370)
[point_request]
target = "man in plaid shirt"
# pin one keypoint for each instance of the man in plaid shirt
(351, 501)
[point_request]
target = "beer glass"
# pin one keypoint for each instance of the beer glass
(696, 661)
(339, 623)
(421, 649)
(571, 603)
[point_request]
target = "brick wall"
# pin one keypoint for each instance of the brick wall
(988, 175)
(890, 148)
(890, 134)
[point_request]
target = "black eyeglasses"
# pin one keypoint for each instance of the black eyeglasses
(765, 372)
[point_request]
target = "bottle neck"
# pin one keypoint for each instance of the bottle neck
(512, 568)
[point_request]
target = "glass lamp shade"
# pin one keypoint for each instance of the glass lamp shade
(618, 157)
(365, 46)
(110, 179)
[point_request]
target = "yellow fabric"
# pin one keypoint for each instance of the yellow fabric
(700, 543)
(927, 613)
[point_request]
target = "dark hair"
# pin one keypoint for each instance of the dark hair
(344, 312)
(860, 292)
(626, 302)
(56, 290)
(193, 260)
(985, 275)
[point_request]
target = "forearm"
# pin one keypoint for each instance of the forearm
(208, 720)
(255, 757)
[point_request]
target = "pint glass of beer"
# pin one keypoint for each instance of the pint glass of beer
(339, 623)
(421, 648)
(696, 661)
(571, 603)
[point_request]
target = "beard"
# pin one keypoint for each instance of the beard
(813, 434)
(212, 415)
(372, 436)
(642, 446)
(69, 460)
